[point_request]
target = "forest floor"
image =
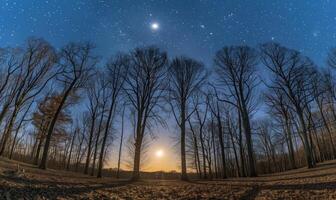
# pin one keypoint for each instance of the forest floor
(33, 183)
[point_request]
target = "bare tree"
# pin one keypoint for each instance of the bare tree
(117, 73)
(144, 89)
(76, 64)
(185, 78)
(93, 96)
(279, 107)
(36, 64)
(292, 75)
(105, 96)
(18, 129)
(201, 112)
(320, 92)
(236, 67)
(74, 134)
(121, 139)
(10, 62)
(216, 109)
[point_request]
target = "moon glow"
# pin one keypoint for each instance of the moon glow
(159, 153)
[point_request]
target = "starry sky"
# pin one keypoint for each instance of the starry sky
(195, 28)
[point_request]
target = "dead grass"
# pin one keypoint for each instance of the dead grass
(317, 183)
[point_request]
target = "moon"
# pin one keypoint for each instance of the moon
(155, 26)
(159, 153)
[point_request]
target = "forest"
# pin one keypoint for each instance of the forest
(255, 110)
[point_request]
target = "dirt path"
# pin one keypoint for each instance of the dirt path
(317, 183)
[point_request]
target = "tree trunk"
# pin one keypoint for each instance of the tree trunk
(8, 130)
(184, 175)
(248, 136)
(136, 167)
(307, 148)
(88, 156)
(101, 156)
(43, 164)
(328, 130)
(290, 147)
(121, 141)
(241, 147)
(214, 147)
(17, 131)
(70, 151)
(97, 141)
(198, 164)
(221, 144)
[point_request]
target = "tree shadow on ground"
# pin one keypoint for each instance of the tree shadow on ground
(255, 190)
(48, 189)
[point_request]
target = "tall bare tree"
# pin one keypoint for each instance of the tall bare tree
(144, 88)
(236, 66)
(279, 107)
(36, 64)
(216, 109)
(94, 98)
(185, 78)
(121, 139)
(76, 65)
(292, 74)
(103, 100)
(117, 69)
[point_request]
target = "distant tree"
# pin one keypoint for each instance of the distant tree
(42, 117)
(121, 139)
(103, 100)
(266, 138)
(232, 129)
(280, 109)
(36, 64)
(195, 143)
(185, 77)
(292, 74)
(10, 64)
(201, 112)
(18, 129)
(117, 70)
(320, 94)
(217, 110)
(94, 100)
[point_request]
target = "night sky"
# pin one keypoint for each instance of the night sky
(196, 28)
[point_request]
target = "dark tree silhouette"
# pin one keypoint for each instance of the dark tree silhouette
(144, 89)
(236, 68)
(76, 65)
(185, 77)
(292, 75)
(117, 73)
(36, 64)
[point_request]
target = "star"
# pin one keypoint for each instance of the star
(154, 26)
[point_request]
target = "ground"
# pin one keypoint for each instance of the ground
(32, 183)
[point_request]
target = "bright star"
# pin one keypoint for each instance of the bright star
(155, 26)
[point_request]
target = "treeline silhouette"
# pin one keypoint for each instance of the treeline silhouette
(255, 110)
